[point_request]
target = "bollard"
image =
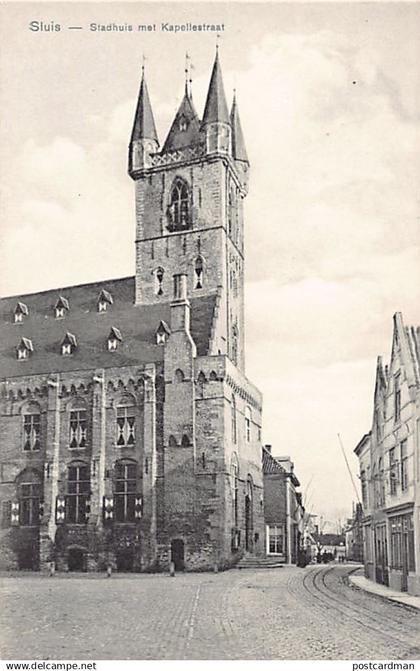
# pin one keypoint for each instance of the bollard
(172, 569)
(109, 571)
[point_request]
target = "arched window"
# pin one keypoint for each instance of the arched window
(77, 425)
(29, 493)
(179, 375)
(126, 422)
(233, 418)
(179, 206)
(185, 442)
(78, 493)
(234, 476)
(248, 418)
(125, 491)
(172, 442)
(235, 334)
(31, 427)
(159, 275)
(198, 273)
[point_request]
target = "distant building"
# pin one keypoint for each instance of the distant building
(330, 546)
(388, 463)
(354, 535)
(283, 509)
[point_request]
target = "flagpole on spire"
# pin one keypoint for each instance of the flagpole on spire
(187, 69)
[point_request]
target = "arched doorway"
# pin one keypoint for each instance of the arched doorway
(125, 560)
(177, 554)
(249, 516)
(76, 559)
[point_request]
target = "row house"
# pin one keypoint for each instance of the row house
(389, 467)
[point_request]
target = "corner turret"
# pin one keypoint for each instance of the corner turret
(144, 140)
(216, 123)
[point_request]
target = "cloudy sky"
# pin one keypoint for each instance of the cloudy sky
(329, 97)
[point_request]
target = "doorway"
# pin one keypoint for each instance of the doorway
(125, 560)
(177, 554)
(76, 560)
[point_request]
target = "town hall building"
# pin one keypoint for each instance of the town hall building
(130, 435)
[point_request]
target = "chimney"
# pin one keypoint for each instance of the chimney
(180, 306)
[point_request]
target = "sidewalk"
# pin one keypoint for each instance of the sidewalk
(385, 592)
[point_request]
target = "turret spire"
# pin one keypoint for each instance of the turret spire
(238, 143)
(144, 123)
(216, 109)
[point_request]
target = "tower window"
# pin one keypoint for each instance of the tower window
(248, 424)
(159, 274)
(198, 273)
(235, 344)
(183, 123)
(179, 210)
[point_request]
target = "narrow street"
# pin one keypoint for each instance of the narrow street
(286, 613)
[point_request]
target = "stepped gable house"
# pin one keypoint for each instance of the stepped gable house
(130, 435)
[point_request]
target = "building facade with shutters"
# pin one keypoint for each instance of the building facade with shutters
(389, 467)
(129, 432)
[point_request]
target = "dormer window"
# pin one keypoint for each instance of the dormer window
(69, 344)
(114, 339)
(20, 310)
(105, 299)
(61, 307)
(183, 123)
(25, 349)
(162, 333)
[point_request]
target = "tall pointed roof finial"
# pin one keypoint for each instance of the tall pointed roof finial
(238, 143)
(216, 107)
(187, 68)
(144, 123)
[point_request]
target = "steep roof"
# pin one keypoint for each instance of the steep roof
(238, 143)
(216, 108)
(185, 129)
(144, 123)
(137, 324)
(270, 464)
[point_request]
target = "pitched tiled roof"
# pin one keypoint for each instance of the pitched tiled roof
(137, 323)
(270, 464)
(178, 137)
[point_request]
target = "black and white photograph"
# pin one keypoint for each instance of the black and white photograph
(209, 333)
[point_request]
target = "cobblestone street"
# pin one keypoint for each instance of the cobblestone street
(286, 613)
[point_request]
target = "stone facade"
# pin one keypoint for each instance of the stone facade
(130, 435)
(388, 461)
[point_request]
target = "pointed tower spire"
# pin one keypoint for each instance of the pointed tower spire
(144, 124)
(239, 152)
(185, 130)
(216, 109)
(144, 139)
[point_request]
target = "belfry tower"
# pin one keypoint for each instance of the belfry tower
(189, 208)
